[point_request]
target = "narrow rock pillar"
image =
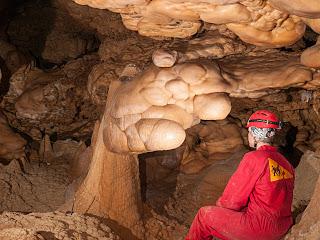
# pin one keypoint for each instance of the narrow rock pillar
(111, 188)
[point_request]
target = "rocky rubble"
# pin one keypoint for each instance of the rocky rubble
(56, 225)
(40, 102)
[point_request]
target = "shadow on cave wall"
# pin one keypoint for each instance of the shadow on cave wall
(287, 148)
(28, 36)
(4, 80)
(31, 22)
(5, 7)
(159, 171)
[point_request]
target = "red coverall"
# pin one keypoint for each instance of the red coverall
(256, 203)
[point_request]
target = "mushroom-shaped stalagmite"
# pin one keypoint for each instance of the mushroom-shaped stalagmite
(148, 113)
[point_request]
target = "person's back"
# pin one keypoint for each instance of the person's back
(274, 190)
(256, 203)
(271, 199)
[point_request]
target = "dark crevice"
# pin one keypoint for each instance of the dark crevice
(54, 137)
(5, 79)
(288, 150)
(310, 37)
(47, 235)
(143, 178)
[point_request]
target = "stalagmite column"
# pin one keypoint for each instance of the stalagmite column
(112, 187)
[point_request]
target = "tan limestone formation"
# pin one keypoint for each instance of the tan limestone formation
(267, 23)
(138, 53)
(288, 32)
(311, 56)
(208, 142)
(260, 72)
(111, 187)
(216, 43)
(310, 8)
(162, 58)
(161, 102)
(140, 116)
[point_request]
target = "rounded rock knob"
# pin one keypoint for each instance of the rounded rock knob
(163, 58)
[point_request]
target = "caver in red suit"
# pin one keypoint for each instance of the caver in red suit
(256, 203)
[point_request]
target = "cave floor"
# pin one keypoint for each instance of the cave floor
(39, 187)
(30, 199)
(31, 194)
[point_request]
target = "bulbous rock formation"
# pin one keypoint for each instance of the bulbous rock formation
(151, 111)
(139, 52)
(162, 58)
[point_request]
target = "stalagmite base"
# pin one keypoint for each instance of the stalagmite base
(112, 188)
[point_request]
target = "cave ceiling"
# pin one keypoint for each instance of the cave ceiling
(259, 22)
(58, 59)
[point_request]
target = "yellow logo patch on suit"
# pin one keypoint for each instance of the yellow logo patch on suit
(277, 172)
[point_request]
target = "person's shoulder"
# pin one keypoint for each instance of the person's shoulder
(249, 156)
(253, 153)
(256, 156)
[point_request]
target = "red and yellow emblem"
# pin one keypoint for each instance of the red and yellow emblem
(277, 172)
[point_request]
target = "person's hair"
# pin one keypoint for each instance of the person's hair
(264, 135)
